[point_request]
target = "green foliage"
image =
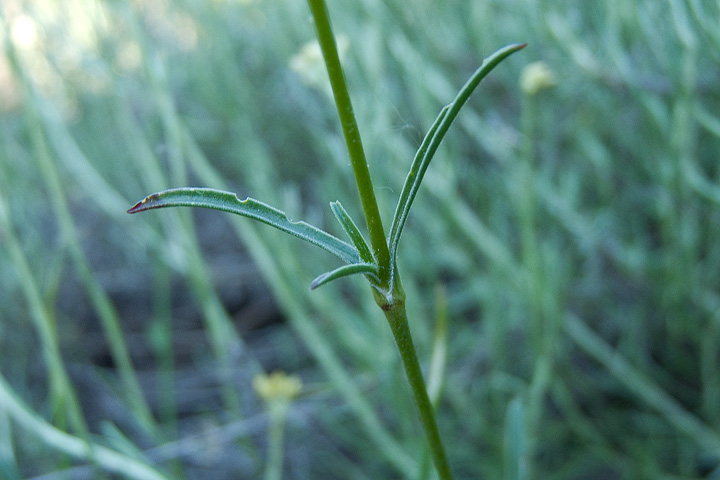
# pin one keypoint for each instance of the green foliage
(432, 141)
(229, 202)
(573, 228)
(388, 291)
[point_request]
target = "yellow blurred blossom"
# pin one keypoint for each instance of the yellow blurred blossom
(535, 77)
(277, 386)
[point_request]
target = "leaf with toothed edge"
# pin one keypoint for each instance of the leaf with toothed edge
(344, 271)
(251, 208)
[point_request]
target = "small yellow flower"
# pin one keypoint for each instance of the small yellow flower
(535, 77)
(277, 386)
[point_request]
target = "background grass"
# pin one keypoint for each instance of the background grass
(574, 234)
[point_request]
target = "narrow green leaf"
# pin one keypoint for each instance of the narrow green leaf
(514, 441)
(366, 268)
(412, 184)
(251, 208)
(352, 231)
(432, 141)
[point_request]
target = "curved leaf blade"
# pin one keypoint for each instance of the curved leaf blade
(412, 184)
(352, 231)
(432, 141)
(251, 208)
(352, 269)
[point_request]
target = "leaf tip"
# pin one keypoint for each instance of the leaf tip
(318, 282)
(142, 205)
(135, 208)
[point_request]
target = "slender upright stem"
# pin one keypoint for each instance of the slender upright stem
(278, 412)
(390, 296)
(397, 318)
(352, 139)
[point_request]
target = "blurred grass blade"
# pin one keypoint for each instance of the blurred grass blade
(55, 439)
(433, 139)
(438, 358)
(641, 385)
(229, 202)
(514, 441)
(437, 368)
(344, 271)
(353, 232)
(9, 468)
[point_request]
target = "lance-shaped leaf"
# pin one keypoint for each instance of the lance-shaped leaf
(352, 231)
(366, 268)
(432, 140)
(229, 202)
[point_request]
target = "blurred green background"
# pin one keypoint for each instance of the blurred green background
(568, 235)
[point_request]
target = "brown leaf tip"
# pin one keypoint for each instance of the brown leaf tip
(134, 208)
(141, 205)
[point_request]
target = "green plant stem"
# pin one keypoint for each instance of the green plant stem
(397, 318)
(390, 296)
(352, 140)
(278, 413)
(538, 288)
